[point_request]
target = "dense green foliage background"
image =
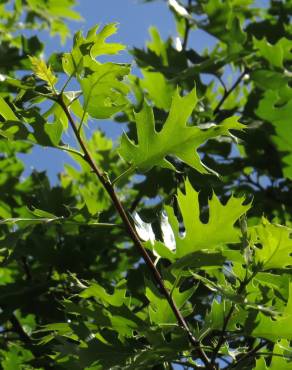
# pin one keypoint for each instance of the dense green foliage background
(200, 184)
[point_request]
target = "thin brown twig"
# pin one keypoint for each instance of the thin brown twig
(220, 79)
(228, 92)
(105, 181)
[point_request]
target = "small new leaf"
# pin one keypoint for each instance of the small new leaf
(44, 72)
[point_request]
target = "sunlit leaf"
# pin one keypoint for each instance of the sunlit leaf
(176, 138)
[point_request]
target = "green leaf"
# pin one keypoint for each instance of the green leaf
(6, 112)
(55, 8)
(161, 350)
(59, 117)
(54, 131)
(275, 54)
(277, 328)
(281, 359)
(96, 291)
(73, 269)
(86, 49)
(159, 309)
(176, 138)
(198, 260)
(266, 79)
(218, 310)
(278, 111)
(60, 28)
(159, 89)
(225, 22)
(260, 364)
(276, 245)
(218, 231)
(100, 47)
(15, 357)
(94, 198)
(157, 45)
(33, 128)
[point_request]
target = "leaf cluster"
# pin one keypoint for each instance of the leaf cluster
(170, 246)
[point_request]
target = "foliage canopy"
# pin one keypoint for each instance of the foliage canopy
(170, 247)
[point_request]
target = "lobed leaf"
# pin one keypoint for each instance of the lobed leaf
(176, 138)
(86, 49)
(278, 327)
(218, 231)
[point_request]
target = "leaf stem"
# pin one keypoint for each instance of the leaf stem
(128, 171)
(67, 82)
(108, 186)
(81, 121)
(70, 150)
(71, 75)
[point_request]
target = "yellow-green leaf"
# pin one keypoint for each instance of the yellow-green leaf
(43, 71)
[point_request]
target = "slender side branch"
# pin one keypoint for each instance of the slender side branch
(223, 334)
(108, 186)
(227, 318)
(220, 79)
(228, 92)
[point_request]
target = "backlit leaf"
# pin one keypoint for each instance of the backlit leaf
(86, 49)
(219, 230)
(43, 71)
(104, 91)
(276, 245)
